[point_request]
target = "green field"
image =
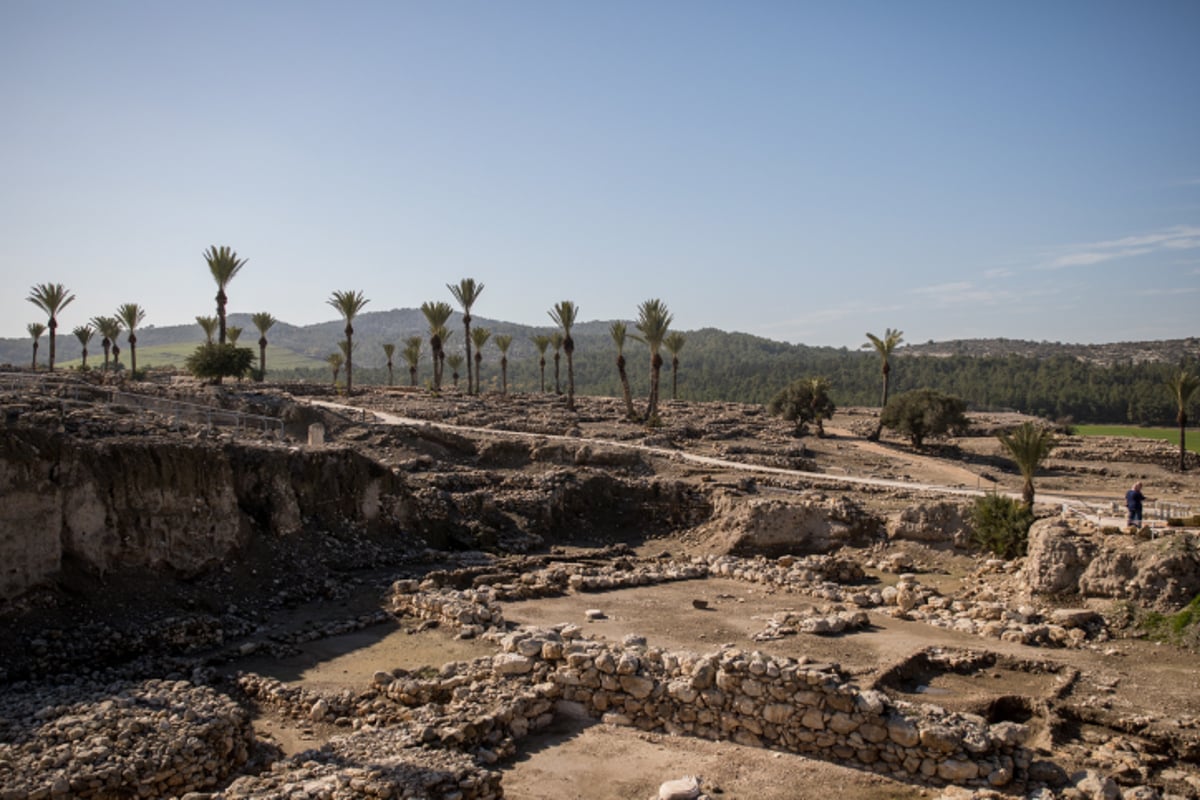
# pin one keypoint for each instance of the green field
(1166, 434)
(173, 355)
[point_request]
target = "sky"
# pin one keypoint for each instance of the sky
(804, 171)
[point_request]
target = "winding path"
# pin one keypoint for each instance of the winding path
(1071, 505)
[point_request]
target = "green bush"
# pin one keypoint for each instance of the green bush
(215, 361)
(922, 413)
(1173, 627)
(1001, 525)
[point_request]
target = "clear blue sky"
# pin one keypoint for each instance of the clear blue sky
(805, 171)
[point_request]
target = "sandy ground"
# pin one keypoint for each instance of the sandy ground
(587, 760)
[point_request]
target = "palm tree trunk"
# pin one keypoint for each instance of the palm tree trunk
(467, 331)
(1027, 493)
(132, 356)
(674, 378)
(557, 385)
(629, 412)
(33, 363)
(652, 401)
(262, 359)
(412, 376)
(53, 326)
(1182, 440)
(542, 364)
(349, 360)
(106, 343)
(478, 364)
(504, 376)
(221, 299)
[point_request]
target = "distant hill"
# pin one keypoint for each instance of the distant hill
(1117, 382)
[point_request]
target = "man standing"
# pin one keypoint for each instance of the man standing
(1133, 502)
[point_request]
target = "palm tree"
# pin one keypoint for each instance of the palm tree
(1027, 446)
(541, 342)
(84, 334)
(480, 337)
(131, 315)
(209, 326)
(674, 343)
(890, 341)
(109, 329)
(335, 361)
(466, 293)
(564, 314)
(618, 332)
(412, 357)
(1183, 385)
(36, 329)
(556, 339)
(503, 341)
(437, 314)
(653, 322)
(51, 298)
(233, 333)
(389, 350)
(348, 303)
(263, 321)
(455, 361)
(224, 265)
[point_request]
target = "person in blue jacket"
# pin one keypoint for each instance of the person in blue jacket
(1133, 502)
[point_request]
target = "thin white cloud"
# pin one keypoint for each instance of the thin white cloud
(999, 272)
(1167, 292)
(1179, 237)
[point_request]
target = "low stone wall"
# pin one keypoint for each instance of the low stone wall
(744, 697)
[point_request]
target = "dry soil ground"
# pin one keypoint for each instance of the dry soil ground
(587, 760)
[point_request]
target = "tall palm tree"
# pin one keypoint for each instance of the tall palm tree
(455, 360)
(348, 303)
(209, 326)
(480, 337)
(437, 314)
(224, 265)
(618, 332)
(564, 314)
(263, 321)
(84, 334)
(541, 342)
(674, 343)
(131, 315)
(36, 329)
(556, 339)
(1183, 385)
(412, 357)
(109, 329)
(51, 298)
(884, 346)
(335, 361)
(1027, 445)
(389, 350)
(466, 293)
(653, 323)
(503, 341)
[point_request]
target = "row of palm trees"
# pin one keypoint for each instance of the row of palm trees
(52, 298)
(653, 324)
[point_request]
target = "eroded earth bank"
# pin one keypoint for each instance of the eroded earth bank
(478, 597)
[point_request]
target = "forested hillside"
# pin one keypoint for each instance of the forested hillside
(1112, 383)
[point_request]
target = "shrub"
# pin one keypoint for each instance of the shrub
(215, 361)
(1001, 525)
(924, 412)
(803, 401)
(1173, 627)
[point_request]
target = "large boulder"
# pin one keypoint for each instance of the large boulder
(932, 523)
(751, 524)
(1067, 559)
